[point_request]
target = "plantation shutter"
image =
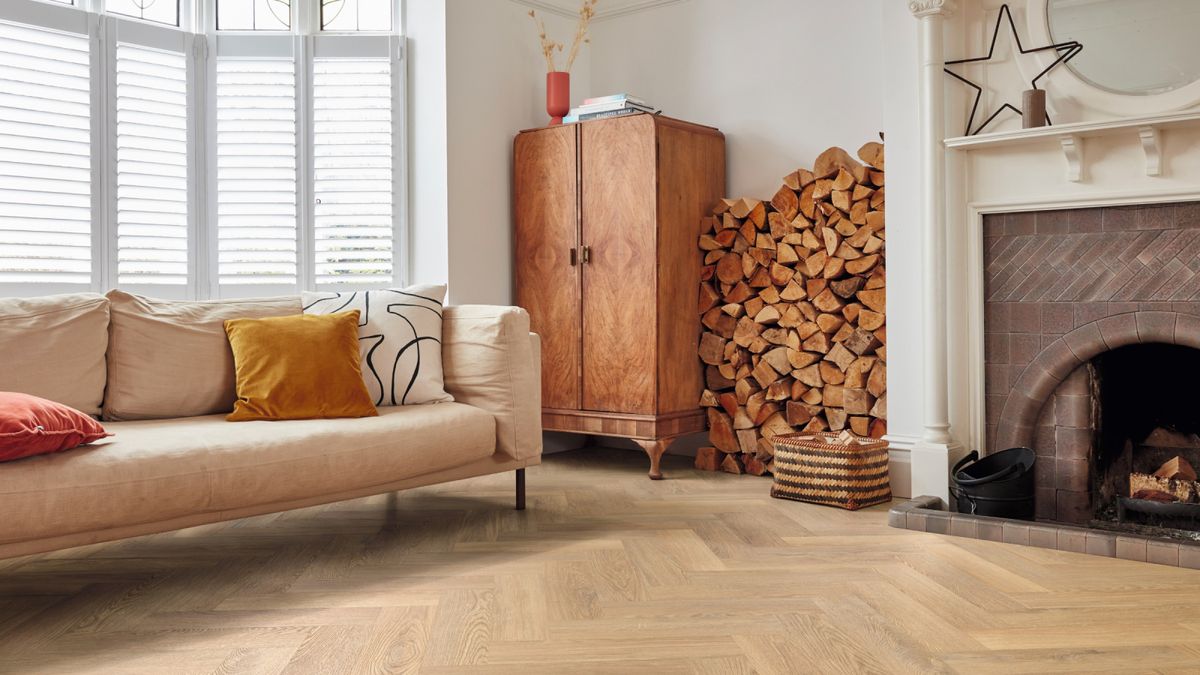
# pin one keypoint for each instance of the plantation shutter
(354, 161)
(152, 157)
(45, 156)
(256, 163)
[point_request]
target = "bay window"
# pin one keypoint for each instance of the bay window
(218, 149)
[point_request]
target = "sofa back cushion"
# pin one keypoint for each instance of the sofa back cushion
(169, 358)
(53, 347)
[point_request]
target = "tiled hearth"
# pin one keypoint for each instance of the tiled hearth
(922, 514)
(1060, 289)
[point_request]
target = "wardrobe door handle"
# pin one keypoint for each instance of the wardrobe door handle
(574, 257)
(586, 255)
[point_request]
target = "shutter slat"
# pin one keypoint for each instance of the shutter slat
(256, 171)
(152, 166)
(353, 170)
(45, 156)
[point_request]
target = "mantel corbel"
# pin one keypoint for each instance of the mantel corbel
(1151, 145)
(1072, 147)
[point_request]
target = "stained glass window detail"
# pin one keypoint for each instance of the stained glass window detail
(356, 15)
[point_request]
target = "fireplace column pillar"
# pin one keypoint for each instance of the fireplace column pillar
(933, 454)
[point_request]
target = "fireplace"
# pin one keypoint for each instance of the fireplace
(1146, 418)
(1092, 352)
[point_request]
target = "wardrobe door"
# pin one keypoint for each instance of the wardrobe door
(546, 198)
(617, 169)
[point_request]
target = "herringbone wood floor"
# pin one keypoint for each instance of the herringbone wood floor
(607, 572)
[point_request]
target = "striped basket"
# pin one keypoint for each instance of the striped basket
(835, 470)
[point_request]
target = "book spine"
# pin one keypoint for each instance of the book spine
(601, 107)
(608, 113)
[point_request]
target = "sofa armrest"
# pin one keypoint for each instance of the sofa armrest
(492, 361)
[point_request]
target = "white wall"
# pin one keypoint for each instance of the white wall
(901, 121)
(476, 78)
(425, 32)
(496, 88)
(784, 79)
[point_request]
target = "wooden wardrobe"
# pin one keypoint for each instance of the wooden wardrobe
(608, 215)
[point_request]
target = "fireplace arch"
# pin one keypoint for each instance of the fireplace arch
(1058, 360)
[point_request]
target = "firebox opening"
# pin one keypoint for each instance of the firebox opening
(1147, 415)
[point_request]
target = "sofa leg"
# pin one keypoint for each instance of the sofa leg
(520, 489)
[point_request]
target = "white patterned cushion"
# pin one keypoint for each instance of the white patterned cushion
(400, 337)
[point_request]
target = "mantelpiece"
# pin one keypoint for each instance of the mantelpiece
(1148, 130)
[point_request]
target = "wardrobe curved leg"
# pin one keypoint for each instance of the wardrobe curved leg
(655, 449)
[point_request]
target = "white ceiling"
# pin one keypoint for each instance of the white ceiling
(604, 8)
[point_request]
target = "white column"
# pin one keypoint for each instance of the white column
(931, 456)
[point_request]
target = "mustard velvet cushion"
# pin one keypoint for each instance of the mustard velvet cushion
(298, 367)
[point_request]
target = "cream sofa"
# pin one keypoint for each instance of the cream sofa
(163, 474)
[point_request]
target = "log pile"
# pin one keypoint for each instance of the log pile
(792, 299)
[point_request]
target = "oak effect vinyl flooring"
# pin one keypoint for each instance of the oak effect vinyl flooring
(606, 572)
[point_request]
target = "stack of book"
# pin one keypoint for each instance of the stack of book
(608, 106)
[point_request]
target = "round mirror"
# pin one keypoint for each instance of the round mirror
(1137, 47)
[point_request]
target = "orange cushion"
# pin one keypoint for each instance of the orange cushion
(298, 367)
(34, 426)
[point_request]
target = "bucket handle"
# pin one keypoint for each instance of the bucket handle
(971, 457)
(1015, 468)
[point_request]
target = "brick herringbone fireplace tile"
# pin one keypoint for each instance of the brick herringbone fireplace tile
(1057, 317)
(1156, 217)
(1023, 347)
(1051, 222)
(1085, 220)
(1025, 318)
(1187, 215)
(1117, 219)
(1020, 223)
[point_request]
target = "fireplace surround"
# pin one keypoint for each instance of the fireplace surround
(1065, 290)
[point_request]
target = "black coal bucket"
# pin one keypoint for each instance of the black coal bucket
(1000, 484)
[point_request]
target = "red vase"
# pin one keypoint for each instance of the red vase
(558, 95)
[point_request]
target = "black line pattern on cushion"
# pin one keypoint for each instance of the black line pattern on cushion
(370, 363)
(387, 391)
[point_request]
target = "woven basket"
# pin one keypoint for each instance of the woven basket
(846, 471)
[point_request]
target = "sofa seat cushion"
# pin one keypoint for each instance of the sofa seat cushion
(155, 470)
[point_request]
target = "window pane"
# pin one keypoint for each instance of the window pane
(45, 156)
(352, 170)
(254, 14)
(158, 11)
(256, 171)
(373, 15)
(152, 228)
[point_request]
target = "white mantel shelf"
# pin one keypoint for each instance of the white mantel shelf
(1070, 138)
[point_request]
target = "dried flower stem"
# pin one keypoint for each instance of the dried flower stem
(585, 17)
(548, 45)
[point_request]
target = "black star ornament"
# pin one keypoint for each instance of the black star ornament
(1065, 51)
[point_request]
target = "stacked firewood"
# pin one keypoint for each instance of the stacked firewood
(792, 299)
(1174, 481)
